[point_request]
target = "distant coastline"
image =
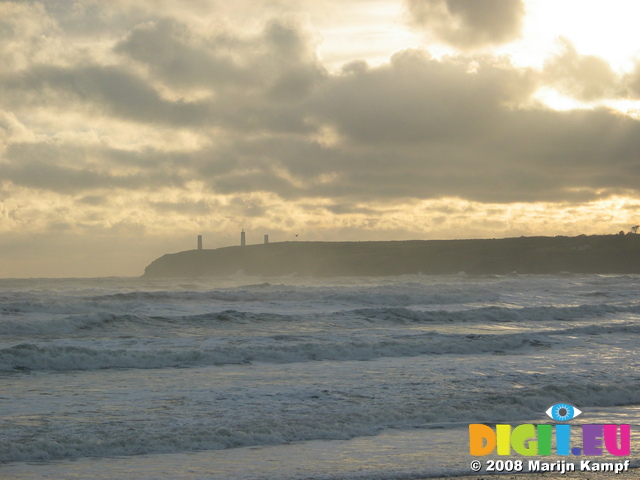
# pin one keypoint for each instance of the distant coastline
(531, 255)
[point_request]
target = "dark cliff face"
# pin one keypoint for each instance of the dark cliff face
(583, 254)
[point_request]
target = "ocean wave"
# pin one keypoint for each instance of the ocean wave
(288, 349)
(354, 418)
(130, 323)
(70, 324)
(494, 314)
(173, 324)
(29, 356)
(406, 294)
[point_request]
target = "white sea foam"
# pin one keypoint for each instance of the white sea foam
(51, 322)
(286, 348)
(276, 419)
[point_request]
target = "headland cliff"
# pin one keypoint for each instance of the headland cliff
(536, 255)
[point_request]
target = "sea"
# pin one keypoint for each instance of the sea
(293, 378)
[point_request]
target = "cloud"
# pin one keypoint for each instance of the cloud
(588, 78)
(168, 75)
(423, 128)
(280, 60)
(413, 128)
(27, 33)
(107, 90)
(185, 207)
(416, 99)
(469, 24)
(630, 82)
(70, 169)
(177, 56)
(583, 77)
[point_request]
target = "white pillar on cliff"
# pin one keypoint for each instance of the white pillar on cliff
(243, 240)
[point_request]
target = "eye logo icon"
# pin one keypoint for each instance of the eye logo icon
(563, 412)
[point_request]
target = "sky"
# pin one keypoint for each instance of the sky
(129, 127)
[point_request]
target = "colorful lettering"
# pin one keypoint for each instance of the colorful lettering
(530, 440)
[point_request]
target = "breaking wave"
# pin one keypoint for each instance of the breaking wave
(209, 433)
(285, 348)
(56, 324)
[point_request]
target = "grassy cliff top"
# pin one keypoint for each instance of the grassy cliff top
(582, 254)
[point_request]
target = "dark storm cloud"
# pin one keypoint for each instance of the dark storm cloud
(257, 81)
(144, 158)
(259, 179)
(417, 99)
(469, 23)
(413, 128)
(281, 60)
(80, 18)
(421, 128)
(251, 83)
(173, 54)
(47, 176)
(109, 89)
(65, 169)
